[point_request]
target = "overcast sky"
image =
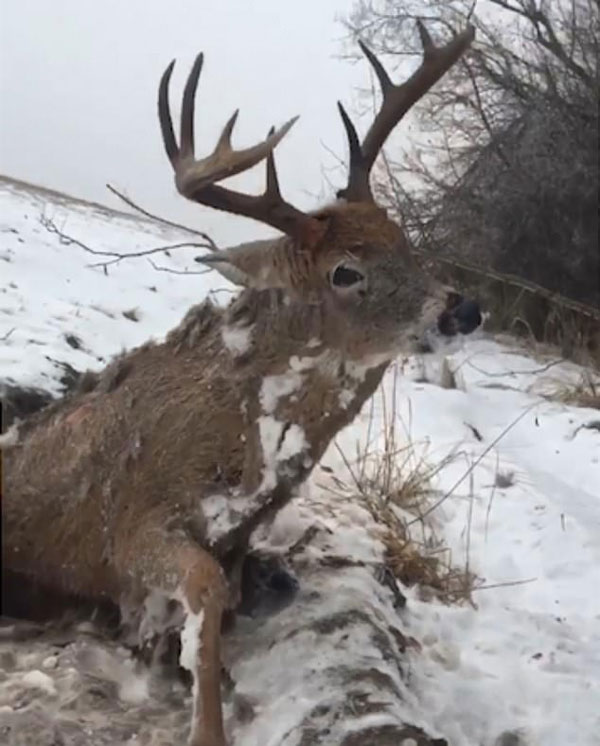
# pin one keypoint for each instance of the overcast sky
(79, 84)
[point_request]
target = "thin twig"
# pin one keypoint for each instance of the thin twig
(115, 256)
(469, 525)
(216, 291)
(507, 584)
(128, 201)
(492, 495)
(458, 482)
(348, 466)
(503, 374)
(145, 252)
(160, 268)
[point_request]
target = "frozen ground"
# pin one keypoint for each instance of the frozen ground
(341, 664)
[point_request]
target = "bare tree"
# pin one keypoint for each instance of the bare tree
(510, 180)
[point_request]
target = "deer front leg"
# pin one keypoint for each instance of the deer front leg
(204, 596)
(184, 570)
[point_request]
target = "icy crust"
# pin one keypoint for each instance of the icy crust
(331, 664)
(331, 667)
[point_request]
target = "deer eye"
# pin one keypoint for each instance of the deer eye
(345, 277)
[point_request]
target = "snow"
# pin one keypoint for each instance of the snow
(270, 432)
(191, 648)
(294, 443)
(297, 661)
(48, 290)
(133, 686)
(50, 662)
(525, 660)
(190, 641)
(11, 437)
(156, 616)
(280, 443)
(224, 513)
(237, 339)
(39, 680)
(326, 360)
(274, 388)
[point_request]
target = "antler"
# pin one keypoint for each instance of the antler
(397, 100)
(195, 179)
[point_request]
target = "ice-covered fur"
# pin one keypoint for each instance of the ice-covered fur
(154, 475)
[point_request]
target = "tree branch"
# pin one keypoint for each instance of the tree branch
(160, 268)
(128, 201)
(116, 256)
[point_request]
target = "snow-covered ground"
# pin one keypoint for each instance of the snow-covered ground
(528, 658)
(519, 501)
(49, 293)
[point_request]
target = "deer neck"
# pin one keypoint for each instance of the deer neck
(299, 391)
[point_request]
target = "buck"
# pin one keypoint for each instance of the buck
(145, 487)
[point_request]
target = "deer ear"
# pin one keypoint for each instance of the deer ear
(245, 265)
(265, 264)
(225, 265)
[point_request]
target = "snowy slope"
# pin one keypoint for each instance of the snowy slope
(519, 500)
(49, 290)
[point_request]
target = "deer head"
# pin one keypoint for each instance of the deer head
(349, 258)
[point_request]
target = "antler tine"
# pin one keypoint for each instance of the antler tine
(224, 142)
(272, 187)
(268, 207)
(186, 140)
(384, 79)
(425, 36)
(397, 100)
(357, 163)
(197, 179)
(164, 115)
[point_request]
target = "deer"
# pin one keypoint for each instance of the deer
(143, 487)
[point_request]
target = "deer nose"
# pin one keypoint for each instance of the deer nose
(468, 316)
(463, 318)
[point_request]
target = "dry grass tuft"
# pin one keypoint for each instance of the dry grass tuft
(395, 485)
(584, 393)
(425, 562)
